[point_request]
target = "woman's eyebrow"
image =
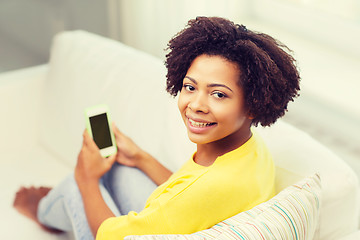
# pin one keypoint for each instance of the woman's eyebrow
(191, 79)
(219, 85)
(211, 84)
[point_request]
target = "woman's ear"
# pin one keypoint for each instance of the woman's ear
(250, 116)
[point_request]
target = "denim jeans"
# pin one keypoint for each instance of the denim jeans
(123, 188)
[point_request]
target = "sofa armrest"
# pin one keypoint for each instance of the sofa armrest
(20, 96)
(352, 236)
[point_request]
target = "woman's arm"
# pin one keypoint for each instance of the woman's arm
(153, 168)
(131, 155)
(90, 167)
(95, 207)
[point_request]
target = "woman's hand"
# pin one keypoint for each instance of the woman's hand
(129, 154)
(91, 166)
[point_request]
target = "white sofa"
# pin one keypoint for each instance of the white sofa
(42, 121)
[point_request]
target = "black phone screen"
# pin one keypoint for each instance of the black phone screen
(101, 130)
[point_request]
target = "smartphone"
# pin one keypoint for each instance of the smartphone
(98, 125)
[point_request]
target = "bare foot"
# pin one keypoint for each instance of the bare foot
(26, 202)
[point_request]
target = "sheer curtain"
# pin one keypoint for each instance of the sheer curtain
(149, 24)
(331, 22)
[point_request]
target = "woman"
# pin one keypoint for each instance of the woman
(228, 79)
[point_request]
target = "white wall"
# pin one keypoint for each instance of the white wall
(28, 26)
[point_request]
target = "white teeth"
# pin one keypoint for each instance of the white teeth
(199, 124)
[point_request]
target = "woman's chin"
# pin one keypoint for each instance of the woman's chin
(199, 139)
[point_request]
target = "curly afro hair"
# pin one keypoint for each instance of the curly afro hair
(269, 76)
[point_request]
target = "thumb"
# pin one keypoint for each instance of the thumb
(110, 160)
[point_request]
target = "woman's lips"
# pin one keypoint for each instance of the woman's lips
(197, 126)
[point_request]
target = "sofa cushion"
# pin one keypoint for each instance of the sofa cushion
(292, 214)
(86, 69)
(297, 155)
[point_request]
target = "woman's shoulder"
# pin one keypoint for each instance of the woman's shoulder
(255, 147)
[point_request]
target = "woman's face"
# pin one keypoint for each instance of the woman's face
(211, 102)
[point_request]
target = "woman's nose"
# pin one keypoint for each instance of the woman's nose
(198, 103)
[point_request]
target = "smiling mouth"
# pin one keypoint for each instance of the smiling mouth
(200, 124)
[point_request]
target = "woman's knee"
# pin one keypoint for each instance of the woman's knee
(69, 186)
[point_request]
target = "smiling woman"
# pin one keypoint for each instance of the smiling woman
(267, 73)
(228, 79)
(212, 106)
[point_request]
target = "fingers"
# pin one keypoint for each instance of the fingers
(111, 159)
(88, 140)
(116, 130)
(86, 135)
(119, 136)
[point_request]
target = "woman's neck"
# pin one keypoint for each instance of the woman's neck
(207, 153)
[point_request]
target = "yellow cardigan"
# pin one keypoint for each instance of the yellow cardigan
(197, 197)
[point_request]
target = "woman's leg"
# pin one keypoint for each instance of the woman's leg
(129, 187)
(123, 188)
(62, 208)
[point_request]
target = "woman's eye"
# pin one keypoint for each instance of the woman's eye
(219, 95)
(189, 88)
